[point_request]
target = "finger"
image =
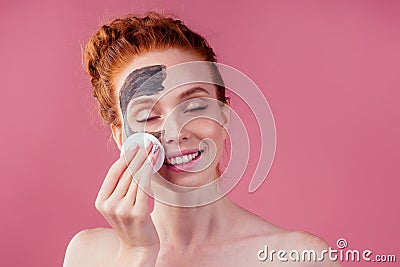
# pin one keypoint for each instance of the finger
(123, 185)
(137, 163)
(148, 154)
(130, 195)
(145, 174)
(112, 177)
(130, 153)
(133, 167)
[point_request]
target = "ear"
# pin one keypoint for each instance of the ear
(117, 134)
(226, 118)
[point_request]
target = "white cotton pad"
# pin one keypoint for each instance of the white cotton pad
(140, 139)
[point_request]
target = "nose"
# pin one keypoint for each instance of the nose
(174, 132)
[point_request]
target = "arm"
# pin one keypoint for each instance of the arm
(85, 250)
(124, 205)
(79, 251)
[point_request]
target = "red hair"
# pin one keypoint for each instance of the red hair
(117, 43)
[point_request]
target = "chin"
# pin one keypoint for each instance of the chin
(186, 179)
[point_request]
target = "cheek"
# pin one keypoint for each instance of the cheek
(203, 128)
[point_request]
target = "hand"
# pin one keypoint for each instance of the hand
(125, 205)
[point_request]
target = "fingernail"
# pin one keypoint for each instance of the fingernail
(147, 143)
(154, 157)
(155, 148)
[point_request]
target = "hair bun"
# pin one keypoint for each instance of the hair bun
(116, 43)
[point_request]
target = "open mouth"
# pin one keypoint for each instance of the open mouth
(180, 160)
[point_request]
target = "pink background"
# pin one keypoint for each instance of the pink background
(329, 69)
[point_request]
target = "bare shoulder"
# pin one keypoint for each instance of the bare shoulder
(91, 247)
(261, 237)
(306, 240)
(307, 243)
(254, 226)
(302, 248)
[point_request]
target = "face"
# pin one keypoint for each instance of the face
(187, 119)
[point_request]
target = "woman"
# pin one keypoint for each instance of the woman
(218, 234)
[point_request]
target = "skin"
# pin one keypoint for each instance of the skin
(218, 234)
(140, 82)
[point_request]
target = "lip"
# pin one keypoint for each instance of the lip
(184, 166)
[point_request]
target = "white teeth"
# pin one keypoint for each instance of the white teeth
(183, 159)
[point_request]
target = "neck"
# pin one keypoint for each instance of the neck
(188, 227)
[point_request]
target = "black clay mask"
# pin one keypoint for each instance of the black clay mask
(146, 81)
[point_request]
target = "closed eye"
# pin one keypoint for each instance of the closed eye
(148, 119)
(196, 109)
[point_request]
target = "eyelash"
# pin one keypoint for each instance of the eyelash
(148, 119)
(189, 110)
(196, 109)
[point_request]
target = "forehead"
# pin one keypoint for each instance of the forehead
(168, 57)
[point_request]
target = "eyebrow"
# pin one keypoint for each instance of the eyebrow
(192, 91)
(185, 94)
(143, 100)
